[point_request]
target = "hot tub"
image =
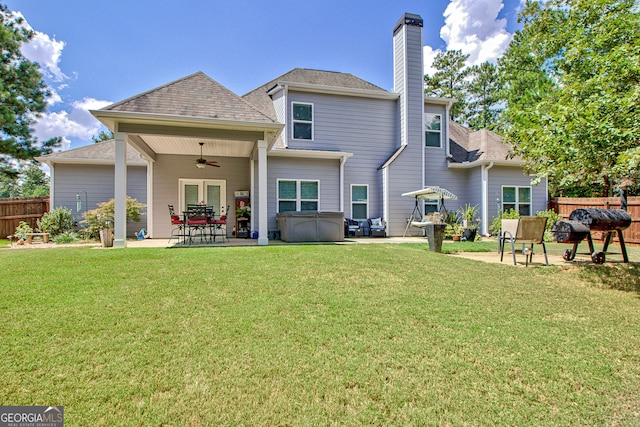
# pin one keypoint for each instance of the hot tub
(311, 226)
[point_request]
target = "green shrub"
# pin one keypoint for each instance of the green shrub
(22, 229)
(57, 221)
(102, 217)
(66, 237)
(496, 223)
(552, 218)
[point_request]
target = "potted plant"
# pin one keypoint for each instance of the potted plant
(457, 232)
(470, 223)
(100, 221)
(243, 210)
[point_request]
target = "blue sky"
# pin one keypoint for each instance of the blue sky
(97, 52)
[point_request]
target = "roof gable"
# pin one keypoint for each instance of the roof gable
(196, 95)
(260, 98)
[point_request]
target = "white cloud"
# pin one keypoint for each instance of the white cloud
(78, 123)
(429, 55)
(473, 27)
(44, 50)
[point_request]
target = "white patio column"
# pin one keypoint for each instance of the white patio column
(263, 238)
(120, 208)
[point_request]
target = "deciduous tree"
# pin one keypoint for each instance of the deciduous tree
(572, 78)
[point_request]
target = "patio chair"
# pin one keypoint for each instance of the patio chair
(377, 227)
(528, 230)
(177, 223)
(352, 228)
(219, 227)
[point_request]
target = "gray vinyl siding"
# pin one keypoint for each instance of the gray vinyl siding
(405, 173)
(399, 78)
(169, 169)
(512, 176)
(97, 181)
(279, 100)
(365, 127)
(327, 172)
(437, 172)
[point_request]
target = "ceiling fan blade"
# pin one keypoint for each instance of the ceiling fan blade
(213, 163)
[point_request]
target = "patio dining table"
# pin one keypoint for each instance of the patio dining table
(198, 219)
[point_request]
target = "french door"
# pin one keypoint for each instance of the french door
(212, 192)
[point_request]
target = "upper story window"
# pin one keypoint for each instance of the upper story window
(433, 130)
(517, 198)
(302, 121)
(298, 195)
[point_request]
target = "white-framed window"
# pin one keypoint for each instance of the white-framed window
(517, 198)
(359, 201)
(433, 130)
(298, 195)
(302, 120)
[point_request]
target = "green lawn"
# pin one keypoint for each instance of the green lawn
(317, 335)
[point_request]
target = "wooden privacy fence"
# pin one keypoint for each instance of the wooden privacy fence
(29, 210)
(563, 206)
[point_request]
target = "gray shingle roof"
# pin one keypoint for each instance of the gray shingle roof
(262, 101)
(473, 146)
(101, 152)
(196, 95)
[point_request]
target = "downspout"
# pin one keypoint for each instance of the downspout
(285, 134)
(52, 183)
(424, 142)
(446, 142)
(485, 198)
(343, 160)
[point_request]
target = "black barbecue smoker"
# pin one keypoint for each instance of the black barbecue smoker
(580, 225)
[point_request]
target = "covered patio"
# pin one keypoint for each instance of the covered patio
(167, 125)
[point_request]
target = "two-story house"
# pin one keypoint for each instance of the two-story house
(307, 140)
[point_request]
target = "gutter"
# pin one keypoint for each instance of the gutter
(309, 154)
(333, 90)
(469, 165)
(392, 157)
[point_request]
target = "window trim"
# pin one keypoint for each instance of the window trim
(517, 201)
(439, 132)
(298, 198)
(365, 203)
(294, 121)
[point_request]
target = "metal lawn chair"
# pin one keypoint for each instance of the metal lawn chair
(528, 230)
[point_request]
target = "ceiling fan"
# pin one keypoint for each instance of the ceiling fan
(202, 162)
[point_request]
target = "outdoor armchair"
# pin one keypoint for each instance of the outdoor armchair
(378, 227)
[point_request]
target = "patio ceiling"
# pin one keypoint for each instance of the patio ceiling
(163, 144)
(166, 134)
